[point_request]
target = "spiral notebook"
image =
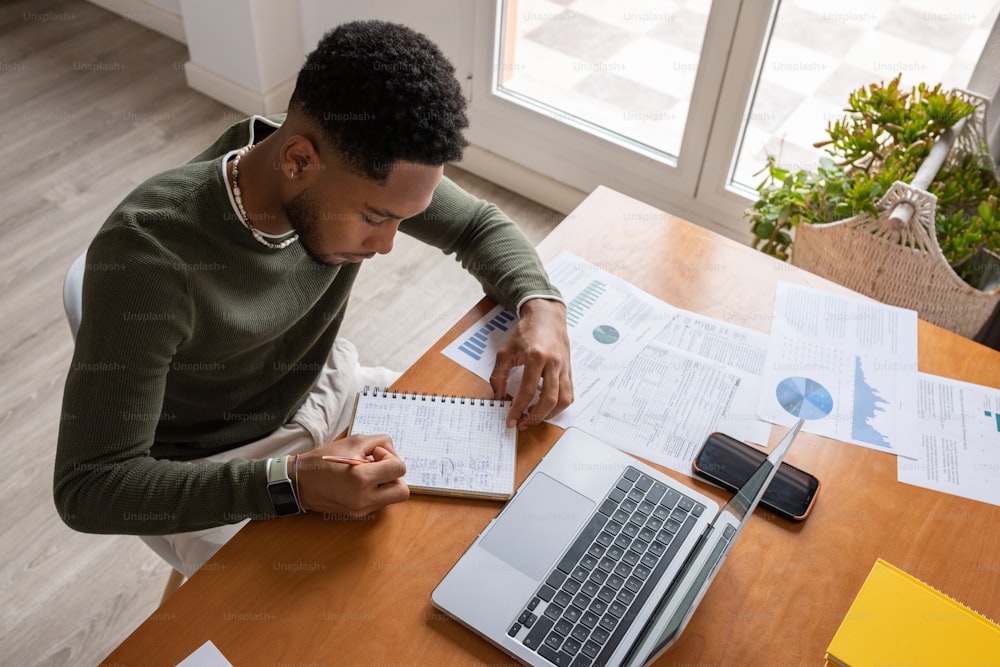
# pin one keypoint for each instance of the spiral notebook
(452, 445)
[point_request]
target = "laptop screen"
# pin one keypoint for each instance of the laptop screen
(687, 589)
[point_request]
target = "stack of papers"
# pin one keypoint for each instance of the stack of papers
(649, 378)
(654, 380)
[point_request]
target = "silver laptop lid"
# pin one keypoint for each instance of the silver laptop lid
(682, 598)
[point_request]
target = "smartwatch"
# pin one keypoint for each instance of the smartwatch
(280, 488)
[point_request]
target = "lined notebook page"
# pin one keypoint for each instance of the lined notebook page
(451, 445)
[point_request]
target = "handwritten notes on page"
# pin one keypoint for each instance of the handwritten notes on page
(451, 445)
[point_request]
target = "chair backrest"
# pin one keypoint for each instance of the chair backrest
(73, 293)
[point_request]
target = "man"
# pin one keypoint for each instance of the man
(208, 381)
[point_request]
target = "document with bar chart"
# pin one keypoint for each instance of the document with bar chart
(609, 321)
(476, 349)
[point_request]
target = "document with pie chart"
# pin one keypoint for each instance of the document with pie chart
(608, 321)
(847, 364)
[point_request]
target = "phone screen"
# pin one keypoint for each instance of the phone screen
(729, 463)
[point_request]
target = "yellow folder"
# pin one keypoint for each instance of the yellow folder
(897, 619)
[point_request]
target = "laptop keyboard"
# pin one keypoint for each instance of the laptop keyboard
(589, 600)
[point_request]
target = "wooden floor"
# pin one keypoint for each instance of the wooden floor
(93, 105)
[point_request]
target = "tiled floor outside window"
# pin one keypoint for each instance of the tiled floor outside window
(629, 65)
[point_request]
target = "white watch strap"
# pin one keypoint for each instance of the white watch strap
(277, 469)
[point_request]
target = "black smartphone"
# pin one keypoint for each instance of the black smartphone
(729, 463)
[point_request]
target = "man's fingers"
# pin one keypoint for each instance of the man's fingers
(547, 400)
(499, 377)
(555, 395)
(525, 394)
(372, 442)
(380, 452)
(384, 469)
(540, 345)
(565, 396)
(395, 491)
(374, 499)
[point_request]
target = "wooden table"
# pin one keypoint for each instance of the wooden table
(312, 590)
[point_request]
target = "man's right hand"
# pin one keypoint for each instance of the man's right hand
(353, 490)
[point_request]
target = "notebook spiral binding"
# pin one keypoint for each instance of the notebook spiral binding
(962, 604)
(434, 398)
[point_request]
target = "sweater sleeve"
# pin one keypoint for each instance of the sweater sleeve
(136, 314)
(486, 242)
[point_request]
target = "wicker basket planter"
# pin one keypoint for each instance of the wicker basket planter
(895, 258)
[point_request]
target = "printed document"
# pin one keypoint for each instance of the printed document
(667, 401)
(863, 353)
(206, 655)
(958, 450)
(608, 321)
(648, 377)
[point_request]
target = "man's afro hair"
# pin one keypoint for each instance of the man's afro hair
(382, 93)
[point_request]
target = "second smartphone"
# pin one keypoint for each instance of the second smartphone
(729, 463)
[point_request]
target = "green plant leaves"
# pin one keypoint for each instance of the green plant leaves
(884, 137)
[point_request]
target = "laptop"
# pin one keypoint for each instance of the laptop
(598, 559)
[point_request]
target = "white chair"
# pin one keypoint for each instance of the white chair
(73, 305)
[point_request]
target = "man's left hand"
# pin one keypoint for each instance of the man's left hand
(540, 343)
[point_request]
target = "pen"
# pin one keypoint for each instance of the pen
(346, 459)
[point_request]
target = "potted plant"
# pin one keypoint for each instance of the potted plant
(887, 134)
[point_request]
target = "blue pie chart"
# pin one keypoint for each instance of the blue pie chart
(803, 397)
(606, 334)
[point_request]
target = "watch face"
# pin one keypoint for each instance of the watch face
(283, 498)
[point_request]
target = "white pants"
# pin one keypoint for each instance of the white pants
(324, 414)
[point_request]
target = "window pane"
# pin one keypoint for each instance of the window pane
(819, 52)
(626, 67)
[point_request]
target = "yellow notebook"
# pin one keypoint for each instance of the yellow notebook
(452, 445)
(897, 619)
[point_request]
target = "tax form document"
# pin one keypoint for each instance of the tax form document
(864, 352)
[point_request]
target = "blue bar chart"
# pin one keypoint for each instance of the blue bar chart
(476, 344)
(584, 301)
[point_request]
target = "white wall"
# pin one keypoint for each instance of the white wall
(163, 16)
(220, 37)
(278, 37)
(244, 53)
(253, 43)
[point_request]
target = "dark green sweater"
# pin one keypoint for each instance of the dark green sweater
(196, 339)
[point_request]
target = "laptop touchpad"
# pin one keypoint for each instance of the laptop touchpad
(537, 526)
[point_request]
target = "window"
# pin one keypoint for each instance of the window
(679, 102)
